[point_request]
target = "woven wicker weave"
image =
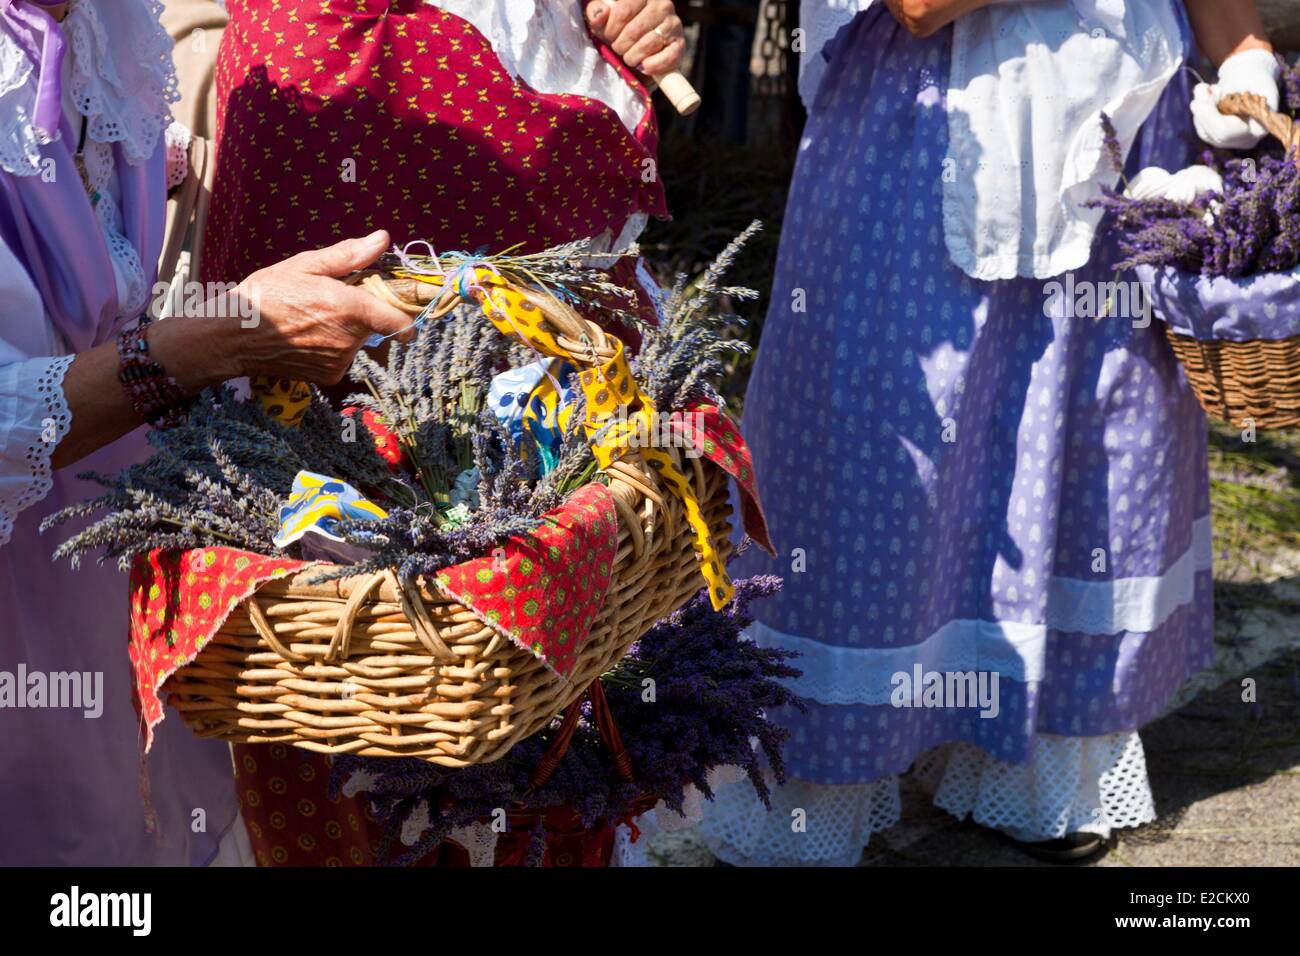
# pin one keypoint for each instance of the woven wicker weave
(1256, 381)
(375, 666)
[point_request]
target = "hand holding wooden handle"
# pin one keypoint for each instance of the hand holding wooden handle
(680, 93)
(1254, 106)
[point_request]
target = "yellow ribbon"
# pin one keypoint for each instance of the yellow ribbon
(610, 391)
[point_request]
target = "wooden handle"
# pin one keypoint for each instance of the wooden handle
(680, 93)
(1253, 106)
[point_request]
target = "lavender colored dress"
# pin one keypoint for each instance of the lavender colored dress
(73, 271)
(957, 482)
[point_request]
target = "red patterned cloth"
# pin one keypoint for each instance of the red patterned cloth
(290, 816)
(718, 439)
(542, 590)
(337, 117)
(179, 599)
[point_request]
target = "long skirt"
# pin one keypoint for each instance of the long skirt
(966, 480)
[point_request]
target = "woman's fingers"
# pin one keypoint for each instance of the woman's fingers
(659, 49)
(597, 13)
(618, 14)
(639, 30)
(343, 257)
(372, 315)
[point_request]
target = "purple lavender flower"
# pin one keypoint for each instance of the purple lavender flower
(1110, 142)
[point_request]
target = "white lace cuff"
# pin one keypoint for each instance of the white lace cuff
(178, 139)
(34, 417)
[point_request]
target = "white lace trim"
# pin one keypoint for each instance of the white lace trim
(479, 841)
(45, 434)
(123, 83)
(121, 79)
(809, 824)
(865, 675)
(178, 139)
(547, 45)
(820, 20)
(1070, 784)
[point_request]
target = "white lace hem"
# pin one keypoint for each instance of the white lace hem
(629, 852)
(809, 824)
(1070, 784)
(865, 675)
(27, 444)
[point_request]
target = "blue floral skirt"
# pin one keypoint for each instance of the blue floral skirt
(959, 478)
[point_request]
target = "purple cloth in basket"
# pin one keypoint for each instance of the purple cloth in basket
(1216, 308)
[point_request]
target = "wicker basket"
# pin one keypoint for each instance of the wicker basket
(375, 666)
(1256, 381)
(1241, 380)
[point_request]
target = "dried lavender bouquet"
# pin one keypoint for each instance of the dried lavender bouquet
(1252, 228)
(221, 477)
(683, 357)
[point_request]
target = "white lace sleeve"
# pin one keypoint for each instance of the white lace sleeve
(34, 417)
(178, 139)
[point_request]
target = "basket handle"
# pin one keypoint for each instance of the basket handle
(587, 343)
(416, 614)
(605, 725)
(1253, 106)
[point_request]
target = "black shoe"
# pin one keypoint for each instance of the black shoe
(1070, 848)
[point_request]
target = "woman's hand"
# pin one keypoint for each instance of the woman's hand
(647, 34)
(306, 324)
(1250, 71)
(925, 17)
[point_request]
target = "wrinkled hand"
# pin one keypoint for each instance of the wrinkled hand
(1251, 71)
(307, 325)
(923, 18)
(647, 34)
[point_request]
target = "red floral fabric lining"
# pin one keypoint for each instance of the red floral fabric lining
(542, 590)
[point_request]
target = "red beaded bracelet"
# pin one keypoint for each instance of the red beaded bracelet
(155, 395)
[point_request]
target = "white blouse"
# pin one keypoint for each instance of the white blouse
(1028, 84)
(117, 74)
